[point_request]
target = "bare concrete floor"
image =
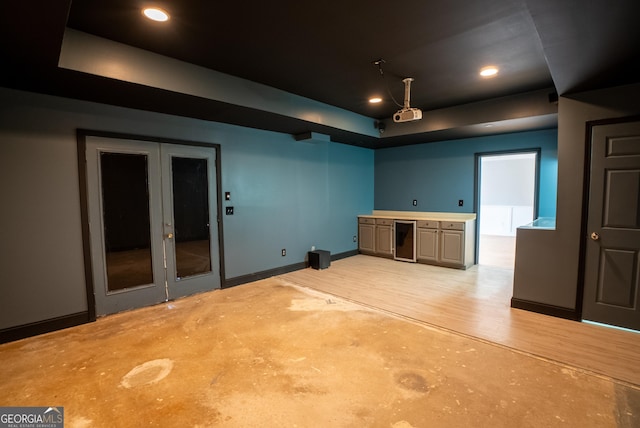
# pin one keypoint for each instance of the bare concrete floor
(270, 355)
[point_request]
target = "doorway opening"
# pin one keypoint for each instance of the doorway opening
(506, 200)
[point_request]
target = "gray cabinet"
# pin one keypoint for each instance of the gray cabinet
(375, 236)
(384, 237)
(452, 242)
(451, 246)
(440, 242)
(447, 243)
(427, 237)
(367, 235)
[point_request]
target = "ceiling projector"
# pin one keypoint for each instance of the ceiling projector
(406, 113)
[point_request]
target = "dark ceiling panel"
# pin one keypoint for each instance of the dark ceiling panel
(324, 50)
(32, 34)
(589, 44)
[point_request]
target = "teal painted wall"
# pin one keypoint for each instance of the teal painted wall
(439, 174)
(291, 195)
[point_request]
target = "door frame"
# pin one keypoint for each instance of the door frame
(477, 186)
(81, 143)
(582, 259)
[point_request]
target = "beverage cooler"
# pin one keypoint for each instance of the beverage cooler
(405, 240)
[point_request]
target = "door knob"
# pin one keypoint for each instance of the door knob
(169, 235)
(595, 236)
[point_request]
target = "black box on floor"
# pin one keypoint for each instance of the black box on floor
(319, 259)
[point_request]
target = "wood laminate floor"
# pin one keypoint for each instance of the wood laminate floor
(498, 251)
(476, 303)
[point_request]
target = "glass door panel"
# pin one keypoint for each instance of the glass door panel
(126, 220)
(190, 210)
(190, 181)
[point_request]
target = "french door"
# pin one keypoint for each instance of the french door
(152, 212)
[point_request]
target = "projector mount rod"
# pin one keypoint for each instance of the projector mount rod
(407, 91)
(407, 85)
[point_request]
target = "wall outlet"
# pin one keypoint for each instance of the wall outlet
(415, 202)
(313, 248)
(284, 252)
(229, 210)
(355, 238)
(460, 202)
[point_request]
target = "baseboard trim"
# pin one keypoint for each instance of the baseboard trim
(344, 255)
(542, 308)
(256, 276)
(46, 326)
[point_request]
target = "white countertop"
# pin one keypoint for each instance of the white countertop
(419, 215)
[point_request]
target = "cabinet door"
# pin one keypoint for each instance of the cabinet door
(451, 246)
(366, 238)
(384, 238)
(427, 244)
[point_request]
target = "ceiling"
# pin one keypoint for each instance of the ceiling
(325, 51)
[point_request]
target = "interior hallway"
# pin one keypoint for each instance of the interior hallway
(274, 353)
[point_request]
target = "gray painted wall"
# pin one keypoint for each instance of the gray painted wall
(286, 193)
(547, 262)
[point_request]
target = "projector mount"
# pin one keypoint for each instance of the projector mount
(406, 113)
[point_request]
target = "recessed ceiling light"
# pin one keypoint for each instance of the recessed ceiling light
(375, 100)
(488, 71)
(156, 14)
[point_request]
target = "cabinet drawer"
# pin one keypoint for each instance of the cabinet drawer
(427, 224)
(452, 225)
(384, 222)
(366, 220)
